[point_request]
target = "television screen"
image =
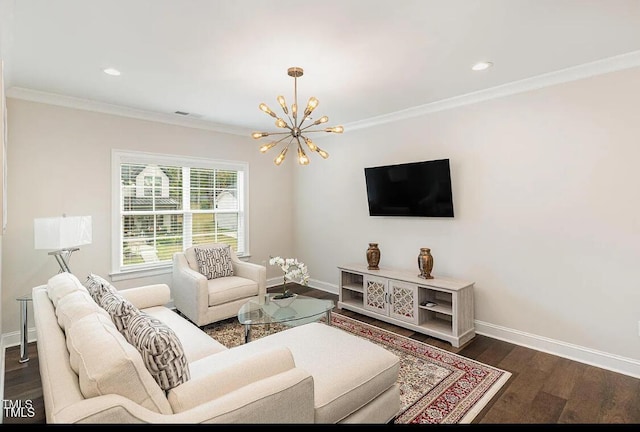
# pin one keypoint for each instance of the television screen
(410, 189)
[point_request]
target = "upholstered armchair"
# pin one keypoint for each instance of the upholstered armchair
(228, 284)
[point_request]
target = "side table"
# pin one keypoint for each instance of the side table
(24, 331)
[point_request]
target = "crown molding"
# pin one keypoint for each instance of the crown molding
(105, 108)
(611, 64)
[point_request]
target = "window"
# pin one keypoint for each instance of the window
(164, 204)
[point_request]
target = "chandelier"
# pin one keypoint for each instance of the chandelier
(297, 130)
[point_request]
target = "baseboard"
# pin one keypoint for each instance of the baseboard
(13, 338)
(577, 353)
(323, 286)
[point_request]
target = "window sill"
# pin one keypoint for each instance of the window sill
(153, 271)
(140, 273)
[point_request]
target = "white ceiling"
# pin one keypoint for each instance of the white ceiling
(218, 59)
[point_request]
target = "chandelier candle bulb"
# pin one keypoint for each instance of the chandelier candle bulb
(266, 147)
(311, 144)
(321, 120)
(296, 128)
(302, 157)
(283, 104)
(281, 156)
(266, 109)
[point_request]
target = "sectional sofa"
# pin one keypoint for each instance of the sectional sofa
(92, 373)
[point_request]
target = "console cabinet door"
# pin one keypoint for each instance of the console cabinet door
(403, 298)
(375, 294)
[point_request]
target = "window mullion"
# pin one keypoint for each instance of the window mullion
(187, 224)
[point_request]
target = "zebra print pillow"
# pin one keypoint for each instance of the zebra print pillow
(160, 348)
(214, 262)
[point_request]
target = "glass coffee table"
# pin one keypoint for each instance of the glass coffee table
(290, 312)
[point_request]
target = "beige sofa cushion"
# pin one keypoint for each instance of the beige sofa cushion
(366, 370)
(74, 306)
(108, 364)
(218, 377)
(62, 284)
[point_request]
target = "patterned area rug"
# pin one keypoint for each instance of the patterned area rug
(436, 386)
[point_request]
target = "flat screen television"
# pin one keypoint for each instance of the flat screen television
(410, 189)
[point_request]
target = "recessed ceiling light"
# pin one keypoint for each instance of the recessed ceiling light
(111, 71)
(481, 66)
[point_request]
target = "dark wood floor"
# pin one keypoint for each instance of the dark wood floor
(543, 388)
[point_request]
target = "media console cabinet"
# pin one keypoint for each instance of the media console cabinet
(439, 307)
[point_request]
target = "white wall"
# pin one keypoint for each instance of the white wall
(545, 190)
(547, 211)
(60, 162)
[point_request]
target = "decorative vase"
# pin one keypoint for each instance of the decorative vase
(373, 256)
(425, 263)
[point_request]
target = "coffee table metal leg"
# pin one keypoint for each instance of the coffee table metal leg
(247, 333)
(329, 317)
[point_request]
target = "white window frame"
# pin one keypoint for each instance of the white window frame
(119, 157)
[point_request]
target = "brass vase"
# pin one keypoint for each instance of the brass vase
(373, 256)
(425, 263)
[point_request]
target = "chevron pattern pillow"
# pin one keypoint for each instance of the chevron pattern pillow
(214, 262)
(160, 348)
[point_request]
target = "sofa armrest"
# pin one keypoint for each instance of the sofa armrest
(189, 290)
(255, 272)
(148, 295)
(249, 371)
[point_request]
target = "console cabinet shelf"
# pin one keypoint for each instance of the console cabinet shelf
(439, 307)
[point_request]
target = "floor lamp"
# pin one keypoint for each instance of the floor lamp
(63, 235)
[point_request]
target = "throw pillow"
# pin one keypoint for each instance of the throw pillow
(161, 350)
(214, 262)
(120, 309)
(98, 287)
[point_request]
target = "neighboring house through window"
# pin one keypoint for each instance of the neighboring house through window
(164, 204)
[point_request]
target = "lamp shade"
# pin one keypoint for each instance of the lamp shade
(62, 232)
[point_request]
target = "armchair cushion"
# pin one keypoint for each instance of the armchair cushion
(214, 262)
